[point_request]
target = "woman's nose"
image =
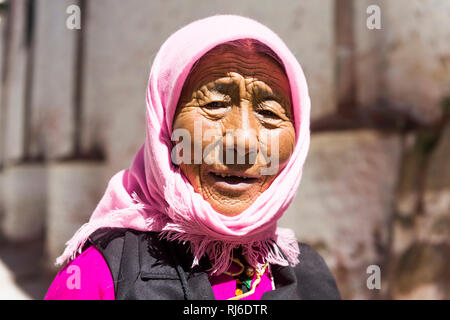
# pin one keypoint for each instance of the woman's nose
(242, 134)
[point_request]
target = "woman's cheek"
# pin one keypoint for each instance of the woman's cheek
(288, 138)
(211, 133)
(193, 123)
(280, 144)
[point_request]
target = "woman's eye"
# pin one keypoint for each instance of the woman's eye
(268, 114)
(215, 105)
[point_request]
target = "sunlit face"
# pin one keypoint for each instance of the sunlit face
(243, 99)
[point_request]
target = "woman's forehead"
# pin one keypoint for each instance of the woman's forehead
(220, 62)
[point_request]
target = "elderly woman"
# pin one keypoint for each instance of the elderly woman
(194, 217)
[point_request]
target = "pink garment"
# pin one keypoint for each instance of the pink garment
(153, 194)
(96, 283)
(87, 277)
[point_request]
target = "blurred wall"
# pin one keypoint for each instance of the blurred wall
(376, 185)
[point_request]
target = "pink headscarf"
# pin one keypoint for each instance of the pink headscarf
(153, 194)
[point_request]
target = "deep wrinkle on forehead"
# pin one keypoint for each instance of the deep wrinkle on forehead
(228, 86)
(212, 73)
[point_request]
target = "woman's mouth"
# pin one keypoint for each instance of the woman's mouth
(232, 181)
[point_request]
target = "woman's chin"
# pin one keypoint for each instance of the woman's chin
(228, 210)
(231, 203)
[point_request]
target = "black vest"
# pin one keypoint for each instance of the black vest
(144, 267)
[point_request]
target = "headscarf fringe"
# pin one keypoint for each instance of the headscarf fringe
(257, 253)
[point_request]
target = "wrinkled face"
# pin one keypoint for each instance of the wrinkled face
(235, 105)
